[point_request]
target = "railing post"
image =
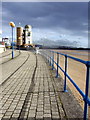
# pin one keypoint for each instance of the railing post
(52, 60)
(57, 75)
(86, 93)
(65, 82)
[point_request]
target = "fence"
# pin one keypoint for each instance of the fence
(49, 55)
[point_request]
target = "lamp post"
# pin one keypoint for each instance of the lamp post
(12, 26)
(19, 44)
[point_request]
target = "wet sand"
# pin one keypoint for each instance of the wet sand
(76, 70)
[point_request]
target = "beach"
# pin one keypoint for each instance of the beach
(76, 70)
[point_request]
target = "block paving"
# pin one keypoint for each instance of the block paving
(29, 93)
(6, 56)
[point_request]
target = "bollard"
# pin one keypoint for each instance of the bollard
(65, 77)
(57, 75)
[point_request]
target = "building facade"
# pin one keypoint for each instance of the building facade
(24, 35)
(19, 36)
(28, 34)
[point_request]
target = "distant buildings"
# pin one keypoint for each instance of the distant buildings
(24, 36)
(2, 44)
(6, 41)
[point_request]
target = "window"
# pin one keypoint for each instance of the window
(28, 33)
(28, 42)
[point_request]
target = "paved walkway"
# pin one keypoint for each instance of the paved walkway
(30, 92)
(7, 56)
(8, 51)
(9, 67)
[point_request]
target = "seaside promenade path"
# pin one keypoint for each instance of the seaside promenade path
(30, 91)
(7, 55)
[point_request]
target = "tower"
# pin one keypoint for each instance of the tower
(19, 36)
(28, 34)
(24, 36)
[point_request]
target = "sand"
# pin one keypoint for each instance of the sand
(76, 70)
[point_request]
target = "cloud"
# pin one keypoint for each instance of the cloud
(57, 43)
(60, 18)
(52, 14)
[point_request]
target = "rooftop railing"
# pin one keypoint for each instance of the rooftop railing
(49, 55)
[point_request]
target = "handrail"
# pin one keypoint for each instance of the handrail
(50, 57)
(80, 91)
(74, 58)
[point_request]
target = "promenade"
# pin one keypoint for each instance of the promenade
(30, 91)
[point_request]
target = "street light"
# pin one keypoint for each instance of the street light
(12, 26)
(19, 44)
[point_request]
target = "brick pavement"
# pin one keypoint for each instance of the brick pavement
(7, 55)
(15, 89)
(8, 51)
(30, 93)
(9, 67)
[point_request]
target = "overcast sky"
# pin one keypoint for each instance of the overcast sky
(58, 21)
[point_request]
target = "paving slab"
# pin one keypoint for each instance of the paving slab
(7, 56)
(5, 53)
(32, 92)
(11, 66)
(15, 89)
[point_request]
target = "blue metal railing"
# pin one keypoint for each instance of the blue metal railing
(49, 55)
